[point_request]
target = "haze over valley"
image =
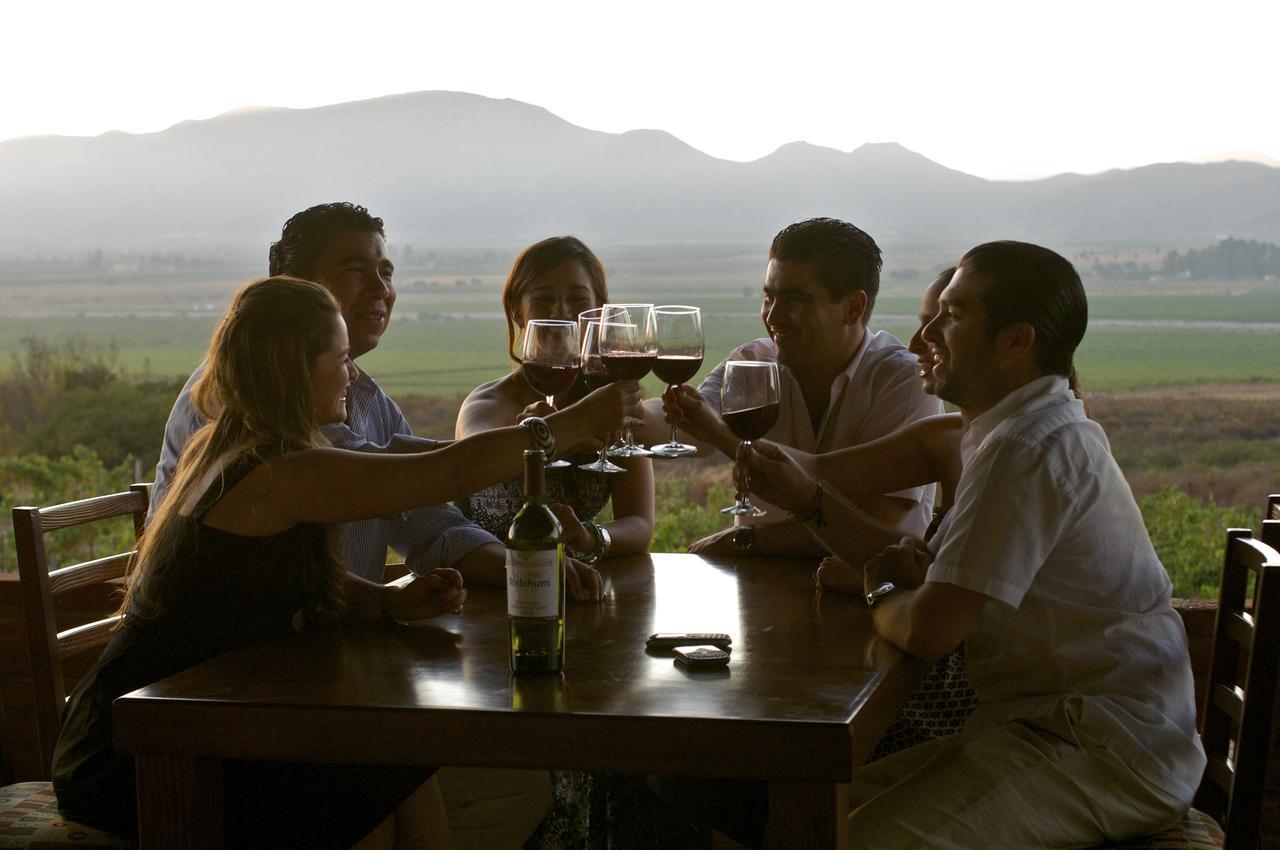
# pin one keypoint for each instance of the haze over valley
(451, 170)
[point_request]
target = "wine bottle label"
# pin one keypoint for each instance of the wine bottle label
(533, 583)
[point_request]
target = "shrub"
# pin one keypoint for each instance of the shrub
(1189, 535)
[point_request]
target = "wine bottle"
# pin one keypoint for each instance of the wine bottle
(535, 578)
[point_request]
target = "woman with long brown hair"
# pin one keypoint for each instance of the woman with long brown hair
(243, 547)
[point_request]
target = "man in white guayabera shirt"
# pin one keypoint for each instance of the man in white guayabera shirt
(1085, 725)
(343, 248)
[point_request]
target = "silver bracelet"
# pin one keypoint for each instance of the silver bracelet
(540, 437)
(601, 544)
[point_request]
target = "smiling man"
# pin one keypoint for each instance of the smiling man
(344, 249)
(842, 384)
(1084, 731)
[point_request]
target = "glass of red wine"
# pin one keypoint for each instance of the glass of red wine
(749, 405)
(628, 349)
(595, 376)
(550, 357)
(680, 349)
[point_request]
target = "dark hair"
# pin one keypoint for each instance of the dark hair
(847, 259)
(1028, 283)
(540, 258)
(305, 236)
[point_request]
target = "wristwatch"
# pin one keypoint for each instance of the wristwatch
(880, 592)
(744, 539)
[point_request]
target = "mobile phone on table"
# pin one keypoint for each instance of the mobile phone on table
(667, 641)
(701, 657)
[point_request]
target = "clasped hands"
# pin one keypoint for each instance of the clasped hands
(905, 564)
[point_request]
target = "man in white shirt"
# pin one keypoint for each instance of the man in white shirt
(841, 384)
(1085, 726)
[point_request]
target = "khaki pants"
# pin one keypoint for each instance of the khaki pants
(1017, 785)
(492, 809)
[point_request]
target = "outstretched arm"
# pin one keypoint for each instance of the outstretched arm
(923, 452)
(331, 485)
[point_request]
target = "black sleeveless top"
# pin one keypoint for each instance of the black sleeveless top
(226, 591)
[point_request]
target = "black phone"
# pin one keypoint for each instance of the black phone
(701, 657)
(667, 641)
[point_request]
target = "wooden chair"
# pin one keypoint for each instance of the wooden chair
(1239, 707)
(29, 808)
(1271, 522)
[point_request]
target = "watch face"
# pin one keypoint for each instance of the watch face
(880, 593)
(744, 539)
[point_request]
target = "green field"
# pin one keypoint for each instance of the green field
(447, 333)
(445, 356)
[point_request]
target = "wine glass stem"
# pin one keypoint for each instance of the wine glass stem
(673, 388)
(745, 499)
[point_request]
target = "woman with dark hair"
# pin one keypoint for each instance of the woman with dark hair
(557, 278)
(243, 546)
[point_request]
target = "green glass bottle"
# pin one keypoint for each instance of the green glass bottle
(535, 578)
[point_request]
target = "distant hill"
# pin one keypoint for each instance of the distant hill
(447, 169)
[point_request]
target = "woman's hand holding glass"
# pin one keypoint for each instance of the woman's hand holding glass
(607, 409)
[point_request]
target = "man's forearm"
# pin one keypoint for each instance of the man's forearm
(485, 565)
(787, 539)
(930, 621)
(889, 510)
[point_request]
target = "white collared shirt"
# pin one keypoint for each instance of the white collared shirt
(876, 394)
(1045, 525)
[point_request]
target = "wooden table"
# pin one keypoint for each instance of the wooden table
(808, 691)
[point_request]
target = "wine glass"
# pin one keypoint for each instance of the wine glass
(680, 349)
(628, 349)
(749, 405)
(550, 360)
(595, 376)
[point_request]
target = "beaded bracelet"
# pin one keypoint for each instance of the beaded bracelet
(540, 437)
(597, 551)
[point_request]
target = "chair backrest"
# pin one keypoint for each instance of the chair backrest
(1240, 703)
(47, 645)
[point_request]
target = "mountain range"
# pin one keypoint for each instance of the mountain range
(449, 169)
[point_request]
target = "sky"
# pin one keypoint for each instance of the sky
(1009, 90)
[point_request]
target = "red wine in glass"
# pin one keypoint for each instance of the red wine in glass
(754, 422)
(749, 405)
(674, 369)
(596, 380)
(594, 376)
(628, 347)
(680, 349)
(628, 366)
(550, 379)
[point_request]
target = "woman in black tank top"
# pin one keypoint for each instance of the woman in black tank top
(243, 546)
